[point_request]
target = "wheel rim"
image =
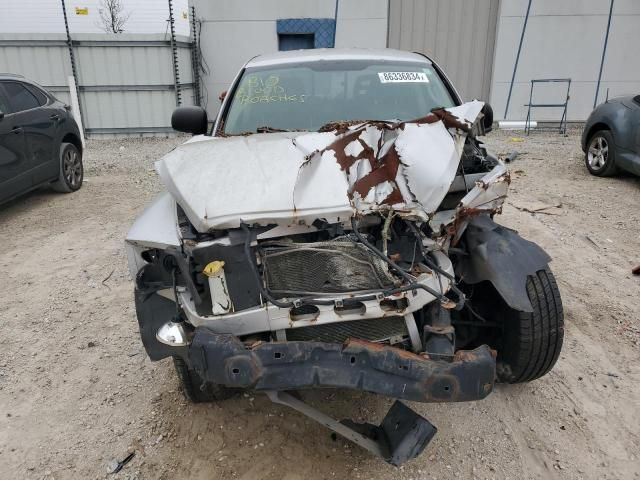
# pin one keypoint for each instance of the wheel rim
(598, 153)
(72, 168)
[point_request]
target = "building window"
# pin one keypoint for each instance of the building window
(297, 33)
(296, 41)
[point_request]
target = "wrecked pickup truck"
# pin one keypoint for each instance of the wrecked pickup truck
(335, 228)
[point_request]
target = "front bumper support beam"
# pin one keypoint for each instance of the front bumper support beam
(356, 364)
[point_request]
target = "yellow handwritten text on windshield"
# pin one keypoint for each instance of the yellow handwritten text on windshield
(257, 89)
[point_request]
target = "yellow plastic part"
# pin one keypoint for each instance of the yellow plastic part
(213, 268)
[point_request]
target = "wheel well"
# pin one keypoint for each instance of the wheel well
(595, 128)
(74, 140)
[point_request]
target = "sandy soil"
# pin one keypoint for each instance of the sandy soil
(77, 391)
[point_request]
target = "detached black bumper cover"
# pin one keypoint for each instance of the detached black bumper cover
(357, 364)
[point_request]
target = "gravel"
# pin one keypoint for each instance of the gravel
(77, 390)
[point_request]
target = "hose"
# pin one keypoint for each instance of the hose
(413, 285)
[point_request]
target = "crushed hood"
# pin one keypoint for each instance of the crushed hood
(291, 177)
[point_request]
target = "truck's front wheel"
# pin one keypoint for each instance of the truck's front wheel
(531, 341)
(196, 389)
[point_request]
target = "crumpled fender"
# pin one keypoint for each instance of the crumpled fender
(503, 257)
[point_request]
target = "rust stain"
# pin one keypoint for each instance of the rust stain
(470, 355)
(385, 170)
(438, 115)
(346, 161)
(342, 126)
(339, 127)
(254, 344)
(449, 305)
(462, 215)
(465, 356)
(505, 177)
(220, 130)
(353, 345)
(450, 120)
(466, 213)
(394, 197)
(359, 344)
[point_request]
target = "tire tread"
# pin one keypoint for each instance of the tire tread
(60, 185)
(535, 339)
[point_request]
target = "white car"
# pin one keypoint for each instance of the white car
(335, 229)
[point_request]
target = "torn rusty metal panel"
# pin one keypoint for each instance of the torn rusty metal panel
(407, 165)
(384, 170)
(446, 117)
(288, 178)
(427, 180)
(487, 197)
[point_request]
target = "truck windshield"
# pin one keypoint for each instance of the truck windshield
(307, 96)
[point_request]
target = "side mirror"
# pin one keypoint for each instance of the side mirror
(189, 120)
(487, 120)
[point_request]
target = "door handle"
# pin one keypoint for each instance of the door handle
(17, 130)
(55, 117)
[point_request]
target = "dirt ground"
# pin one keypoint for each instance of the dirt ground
(77, 391)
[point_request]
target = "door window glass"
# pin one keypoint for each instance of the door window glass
(39, 94)
(20, 98)
(4, 104)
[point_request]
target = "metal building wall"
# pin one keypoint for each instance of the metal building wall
(126, 81)
(458, 34)
(565, 39)
(234, 32)
(45, 16)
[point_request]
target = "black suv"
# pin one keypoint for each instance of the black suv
(39, 140)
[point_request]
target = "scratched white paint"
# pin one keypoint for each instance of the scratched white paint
(288, 178)
(354, 148)
(488, 194)
(430, 161)
(255, 179)
(467, 112)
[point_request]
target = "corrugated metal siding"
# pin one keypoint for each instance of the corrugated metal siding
(565, 40)
(39, 16)
(124, 66)
(140, 64)
(234, 32)
(458, 34)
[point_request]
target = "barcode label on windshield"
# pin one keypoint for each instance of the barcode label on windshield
(396, 77)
